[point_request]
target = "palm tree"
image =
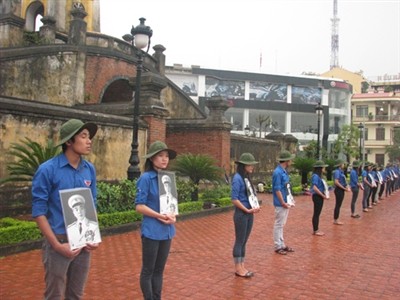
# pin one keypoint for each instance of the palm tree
(30, 155)
(197, 167)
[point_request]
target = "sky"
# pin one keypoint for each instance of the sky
(290, 36)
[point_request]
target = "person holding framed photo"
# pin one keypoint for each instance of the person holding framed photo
(243, 217)
(157, 229)
(66, 270)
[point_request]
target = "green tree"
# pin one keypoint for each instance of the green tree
(197, 167)
(310, 151)
(347, 141)
(304, 165)
(29, 156)
(394, 150)
(261, 119)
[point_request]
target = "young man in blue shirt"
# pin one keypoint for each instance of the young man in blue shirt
(283, 200)
(66, 270)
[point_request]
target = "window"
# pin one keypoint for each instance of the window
(361, 111)
(380, 159)
(380, 134)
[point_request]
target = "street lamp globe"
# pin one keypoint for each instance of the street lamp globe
(141, 35)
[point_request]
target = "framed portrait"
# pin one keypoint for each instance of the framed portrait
(168, 193)
(80, 217)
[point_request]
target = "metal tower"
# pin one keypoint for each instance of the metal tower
(335, 37)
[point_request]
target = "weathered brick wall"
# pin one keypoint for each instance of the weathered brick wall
(156, 129)
(100, 72)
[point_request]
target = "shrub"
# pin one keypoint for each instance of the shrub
(14, 231)
(118, 218)
(184, 188)
(216, 193)
(116, 197)
(188, 207)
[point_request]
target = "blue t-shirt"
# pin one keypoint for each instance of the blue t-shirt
(353, 178)
(148, 193)
(364, 174)
(317, 181)
(52, 176)
(280, 182)
(339, 174)
(238, 191)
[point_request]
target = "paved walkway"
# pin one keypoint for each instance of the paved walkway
(358, 260)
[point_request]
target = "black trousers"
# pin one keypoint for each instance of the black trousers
(339, 195)
(318, 204)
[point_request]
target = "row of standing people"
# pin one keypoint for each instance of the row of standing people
(66, 270)
(382, 180)
(372, 180)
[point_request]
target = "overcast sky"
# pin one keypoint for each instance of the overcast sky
(293, 36)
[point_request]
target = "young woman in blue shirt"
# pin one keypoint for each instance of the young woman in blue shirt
(319, 194)
(244, 213)
(157, 230)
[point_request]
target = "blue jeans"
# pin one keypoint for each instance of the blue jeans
(366, 194)
(154, 258)
(243, 225)
(281, 215)
(64, 277)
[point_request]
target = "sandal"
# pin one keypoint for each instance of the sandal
(355, 216)
(280, 251)
(288, 249)
(319, 233)
(247, 275)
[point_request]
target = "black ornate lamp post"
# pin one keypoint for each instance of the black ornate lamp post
(361, 128)
(319, 112)
(140, 38)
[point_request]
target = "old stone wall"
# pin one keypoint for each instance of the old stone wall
(50, 76)
(265, 151)
(111, 146)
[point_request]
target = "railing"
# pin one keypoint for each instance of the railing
(377, 118)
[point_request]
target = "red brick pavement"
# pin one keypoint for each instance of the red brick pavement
(359, 260)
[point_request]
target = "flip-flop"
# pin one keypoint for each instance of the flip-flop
(247, 275)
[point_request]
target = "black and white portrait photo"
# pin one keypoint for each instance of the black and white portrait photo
(168, 194)
(80, 217)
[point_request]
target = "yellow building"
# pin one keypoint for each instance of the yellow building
(377, 115)
(355, 79)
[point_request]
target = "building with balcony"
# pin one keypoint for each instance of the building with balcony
(377, 116)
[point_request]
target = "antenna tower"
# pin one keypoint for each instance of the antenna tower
(335, 37)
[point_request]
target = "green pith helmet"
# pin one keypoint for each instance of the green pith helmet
(320, 164)
(285, 156)
(246, 159)
(71, 127)
(338, 162)
(157, 147)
